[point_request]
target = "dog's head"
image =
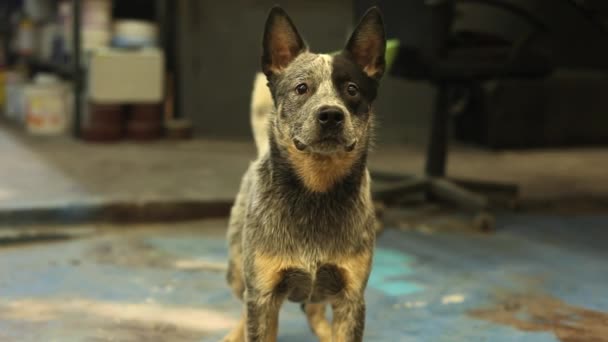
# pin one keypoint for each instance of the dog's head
(323, 103)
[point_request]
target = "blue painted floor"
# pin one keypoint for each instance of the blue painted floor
(536, 279)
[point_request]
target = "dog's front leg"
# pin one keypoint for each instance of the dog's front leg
(349, 320)
(262, 317)
(349, 307)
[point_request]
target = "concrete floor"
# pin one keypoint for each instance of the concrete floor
(537, 279)
(42, 176)
(68, 180)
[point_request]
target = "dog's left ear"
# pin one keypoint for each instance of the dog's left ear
(282, 42)
(367, 44)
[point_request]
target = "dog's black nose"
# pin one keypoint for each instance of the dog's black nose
(330, 117)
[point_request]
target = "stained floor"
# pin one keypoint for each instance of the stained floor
(537, 278)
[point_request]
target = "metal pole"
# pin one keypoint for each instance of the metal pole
(172, 50)
(78, 77)
(436, 153)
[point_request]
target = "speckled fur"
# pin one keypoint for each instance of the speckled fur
(289, 237)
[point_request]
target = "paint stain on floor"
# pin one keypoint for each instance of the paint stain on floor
(543, 313)
(389, 273)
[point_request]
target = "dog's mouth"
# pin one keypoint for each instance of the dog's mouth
(299, 144)
(326, 145)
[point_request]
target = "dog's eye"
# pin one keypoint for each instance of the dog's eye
(301, 88)
(352, 89)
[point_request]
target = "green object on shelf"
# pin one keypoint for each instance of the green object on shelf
(392, 47)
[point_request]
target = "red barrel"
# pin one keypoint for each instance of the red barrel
(104, 123)
(145, 122)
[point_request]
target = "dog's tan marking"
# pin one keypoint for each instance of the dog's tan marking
(318, 321)
(268, 270)
(237, 281)
(373, 70)
(273, 325)
(320, 173)
(355, 270)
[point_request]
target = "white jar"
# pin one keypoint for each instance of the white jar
(47, 111)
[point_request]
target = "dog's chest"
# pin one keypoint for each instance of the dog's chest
(310, 277)
(312, 223)
(316, 285)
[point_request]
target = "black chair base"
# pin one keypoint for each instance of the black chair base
(464, 194)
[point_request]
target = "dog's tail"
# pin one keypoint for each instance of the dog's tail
(261, 107)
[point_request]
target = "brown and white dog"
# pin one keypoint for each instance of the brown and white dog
(303, 224)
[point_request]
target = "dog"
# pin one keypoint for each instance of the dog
(302, 227)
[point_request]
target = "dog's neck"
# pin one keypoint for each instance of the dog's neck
(317, 173)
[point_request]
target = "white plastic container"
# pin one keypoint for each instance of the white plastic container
(26, 38)
(47, 110)
(135, 33)
(95, 39)
(96, 14)
(96, 23)
(124, 76)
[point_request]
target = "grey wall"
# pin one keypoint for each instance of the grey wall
(219, 45)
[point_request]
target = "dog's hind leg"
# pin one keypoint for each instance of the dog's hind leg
(315, 313)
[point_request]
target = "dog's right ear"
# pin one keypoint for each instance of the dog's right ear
(367, 44)
(282, 42)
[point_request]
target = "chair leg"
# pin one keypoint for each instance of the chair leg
(455, 194)
(438, 139)
(385, 176)
(506, 189)
(401, 189)
(434, 185)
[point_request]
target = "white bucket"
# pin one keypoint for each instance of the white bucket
(47, 111)
(135, 33)
(97, 14)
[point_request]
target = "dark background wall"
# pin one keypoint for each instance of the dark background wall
(219, 47)
(219, 53)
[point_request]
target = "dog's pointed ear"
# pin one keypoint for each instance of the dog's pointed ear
(282, 43)
(367, 44)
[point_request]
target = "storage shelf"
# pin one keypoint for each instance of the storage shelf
(63, 70)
